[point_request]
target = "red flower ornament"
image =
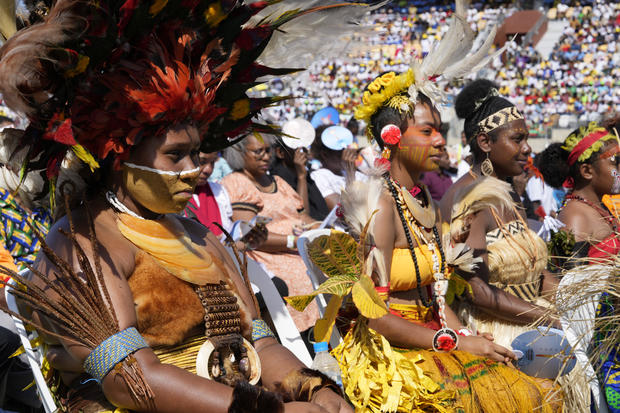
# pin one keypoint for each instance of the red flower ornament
(390, 134)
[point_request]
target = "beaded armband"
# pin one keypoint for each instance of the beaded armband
(260, 329)
(112, 351)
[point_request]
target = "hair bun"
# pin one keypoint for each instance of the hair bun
(473, 96)
(553, 164)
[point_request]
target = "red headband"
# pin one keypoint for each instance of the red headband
(583, 145)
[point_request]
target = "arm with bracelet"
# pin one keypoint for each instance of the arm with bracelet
(163, 387)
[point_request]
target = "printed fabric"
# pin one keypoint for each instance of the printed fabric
(18, 235)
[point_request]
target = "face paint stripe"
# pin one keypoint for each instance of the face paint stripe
(162, 172)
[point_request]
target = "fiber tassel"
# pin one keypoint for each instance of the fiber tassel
(79, 304)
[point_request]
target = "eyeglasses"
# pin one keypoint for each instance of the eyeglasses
(260, 153)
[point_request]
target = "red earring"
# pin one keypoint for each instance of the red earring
(390, 134)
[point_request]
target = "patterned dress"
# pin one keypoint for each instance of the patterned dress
(283, 205)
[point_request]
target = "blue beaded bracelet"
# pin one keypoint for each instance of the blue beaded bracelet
(260, 329)
(112, 351)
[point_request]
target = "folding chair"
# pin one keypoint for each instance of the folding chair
(315, 274)
(282, 320)
(34, 356)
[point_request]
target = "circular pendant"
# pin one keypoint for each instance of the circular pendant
(445, 340)
(227, 363)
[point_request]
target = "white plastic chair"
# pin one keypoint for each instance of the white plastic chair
(34, 356)
(315, 274)
(329, 219)
(282, 320)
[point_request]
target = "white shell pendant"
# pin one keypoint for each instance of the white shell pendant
(207, 368)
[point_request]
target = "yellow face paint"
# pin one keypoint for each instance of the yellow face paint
(162, 192)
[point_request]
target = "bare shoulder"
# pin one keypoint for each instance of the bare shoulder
(579, 219)
(72, 233)
(445, 205)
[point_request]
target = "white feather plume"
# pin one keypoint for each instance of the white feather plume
(460, 255)
(360, 200)
(449, 58)
(315, 35)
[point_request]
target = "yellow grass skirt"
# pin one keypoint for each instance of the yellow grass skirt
(380, 378)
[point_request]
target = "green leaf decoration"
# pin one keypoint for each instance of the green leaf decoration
(324, 326)
(300, 302)
(319, 253)
(367, 300)
(339, 285)
(344, 253)
(335, 254)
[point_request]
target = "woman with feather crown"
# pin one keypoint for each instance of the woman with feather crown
(140, 309)
(407, 351)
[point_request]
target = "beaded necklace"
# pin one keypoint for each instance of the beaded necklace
(431, 244)
(607, 216)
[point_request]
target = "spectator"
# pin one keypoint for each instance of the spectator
(253, 191)
(332, 149)
(290, 165)
(440, 180)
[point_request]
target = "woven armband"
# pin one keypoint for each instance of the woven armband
(260, 329)
(112, 351)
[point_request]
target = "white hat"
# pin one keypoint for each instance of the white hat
(301, 131)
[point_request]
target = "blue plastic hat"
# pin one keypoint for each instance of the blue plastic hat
(337, 137)
(325, 116)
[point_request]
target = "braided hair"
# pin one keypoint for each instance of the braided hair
(477, 101)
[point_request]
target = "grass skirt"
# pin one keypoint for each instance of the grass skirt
(379, 378)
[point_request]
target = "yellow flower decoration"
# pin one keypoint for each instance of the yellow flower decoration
(214, 15)
(240, 109)
(157, 6)
(376, 97)
(80, 67)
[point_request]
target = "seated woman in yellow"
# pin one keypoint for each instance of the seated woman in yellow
(417, 356)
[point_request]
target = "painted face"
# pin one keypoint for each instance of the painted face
(421, 146)
(162, 173)
(162, 192)
(510, 150)
(606, 178)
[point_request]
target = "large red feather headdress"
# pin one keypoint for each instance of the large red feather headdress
(97, 76)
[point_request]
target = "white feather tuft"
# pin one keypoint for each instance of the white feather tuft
(449, 58)
(315, 35)
(359, 201)
(485, 193)
(460, 256)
